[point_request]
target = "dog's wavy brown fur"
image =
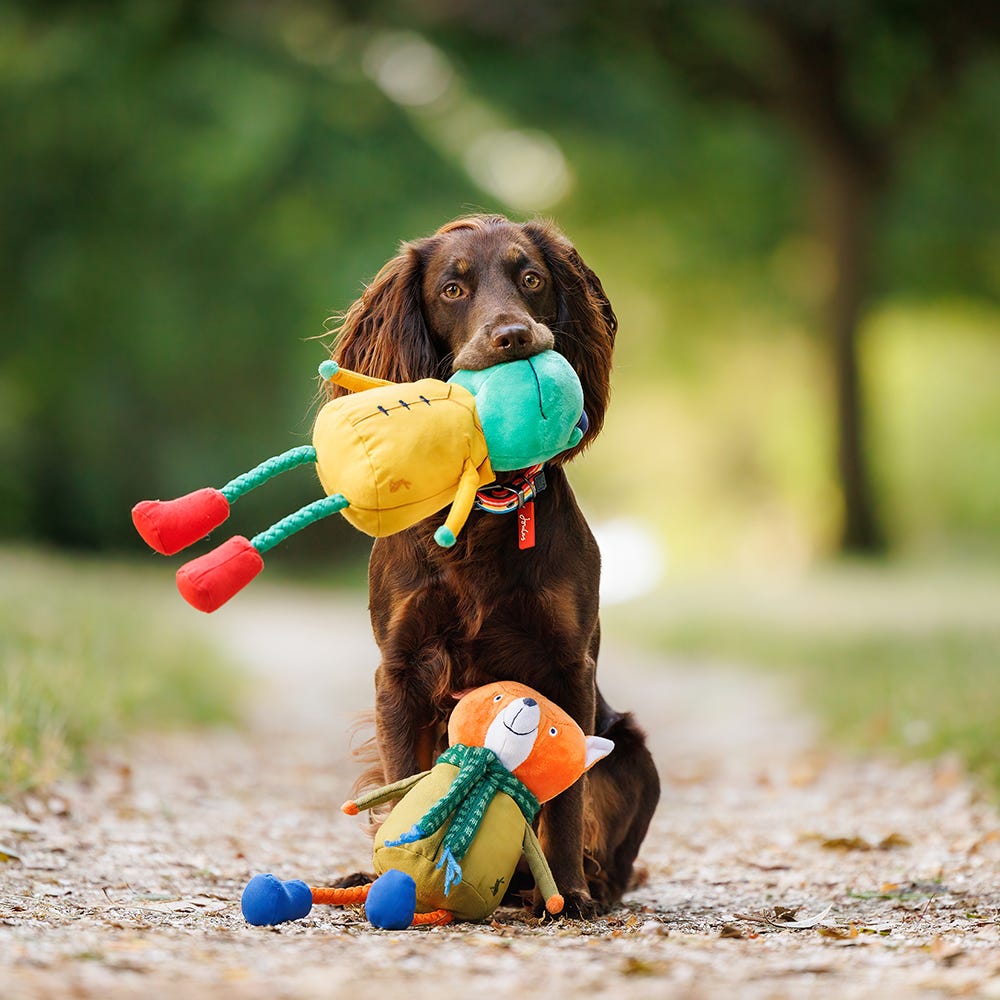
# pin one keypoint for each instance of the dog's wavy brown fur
(448, 620)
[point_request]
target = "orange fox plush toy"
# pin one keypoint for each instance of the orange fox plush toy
(450, 846)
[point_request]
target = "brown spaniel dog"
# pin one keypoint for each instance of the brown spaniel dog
(479, 291)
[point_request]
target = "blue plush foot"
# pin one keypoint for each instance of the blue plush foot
(267, 900)
(391, 901)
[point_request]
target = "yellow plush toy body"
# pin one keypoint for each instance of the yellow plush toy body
(450, 846)
(401, 452)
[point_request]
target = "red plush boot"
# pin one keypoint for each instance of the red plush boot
(207, 582)
(171, 525)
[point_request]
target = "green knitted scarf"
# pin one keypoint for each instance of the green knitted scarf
(480, 776)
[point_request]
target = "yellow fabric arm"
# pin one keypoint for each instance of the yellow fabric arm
(465, 497)
(355, 381)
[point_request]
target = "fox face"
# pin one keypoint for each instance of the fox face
(533, 737)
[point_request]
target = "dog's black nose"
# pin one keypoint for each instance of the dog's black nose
(515, 337)
(530, 702)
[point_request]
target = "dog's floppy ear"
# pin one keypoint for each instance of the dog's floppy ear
(384, 333)
(585, 324)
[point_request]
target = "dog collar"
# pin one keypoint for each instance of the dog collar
(519, 491)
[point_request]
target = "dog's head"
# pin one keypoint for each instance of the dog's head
(480, 291)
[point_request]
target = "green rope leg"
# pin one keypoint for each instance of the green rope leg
(315, 511)
(237, 487)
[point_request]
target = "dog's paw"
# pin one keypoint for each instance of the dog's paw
(355, 878)
(576, 906)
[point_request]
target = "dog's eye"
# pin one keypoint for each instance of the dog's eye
(553, 731)
(531, 280)
(452, 290)
(499, 697)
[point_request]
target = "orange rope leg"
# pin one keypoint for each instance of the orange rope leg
(341, 897)
(436, 918)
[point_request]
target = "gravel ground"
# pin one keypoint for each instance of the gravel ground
(774, 868)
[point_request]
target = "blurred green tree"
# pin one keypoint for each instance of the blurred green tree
(185, 196)
(857, 85)
(187, 188)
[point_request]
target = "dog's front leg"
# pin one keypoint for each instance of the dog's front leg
(561, 824)
(561, 836)
(402, 728)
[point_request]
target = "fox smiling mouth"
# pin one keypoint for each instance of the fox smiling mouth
(517, 732)
(509, 726)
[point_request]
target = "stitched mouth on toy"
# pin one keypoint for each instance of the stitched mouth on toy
(538, 389)
(509, 726)
(517, 732)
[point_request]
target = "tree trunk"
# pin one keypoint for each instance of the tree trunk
(849, 193)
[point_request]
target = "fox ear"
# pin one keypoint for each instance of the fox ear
(597, 748)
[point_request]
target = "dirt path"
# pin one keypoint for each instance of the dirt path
(128, 885)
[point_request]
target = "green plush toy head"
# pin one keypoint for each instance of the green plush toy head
(530, 410)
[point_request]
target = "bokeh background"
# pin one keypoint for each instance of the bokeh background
(794, 207)
(773, 193)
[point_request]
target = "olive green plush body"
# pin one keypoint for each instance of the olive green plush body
(502, 837)
(487, 866)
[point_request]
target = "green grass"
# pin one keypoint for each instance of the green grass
(907, 660)
(89, 653)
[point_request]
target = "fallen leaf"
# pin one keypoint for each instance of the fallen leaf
(762, 867)
(197, 904)
(838, 933)
(893, 840)
(175, 906)
(730, 931)
(846, 844)
(943, 952)
(988, 838)
(808, 922)
(857, 843)
(633, 966)
(778, 918)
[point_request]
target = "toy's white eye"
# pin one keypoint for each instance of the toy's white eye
(499, 697)
(553, 731)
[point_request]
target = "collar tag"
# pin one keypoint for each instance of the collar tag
(526, 526)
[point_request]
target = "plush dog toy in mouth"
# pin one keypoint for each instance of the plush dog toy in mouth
(450, 846)
(388, 455)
